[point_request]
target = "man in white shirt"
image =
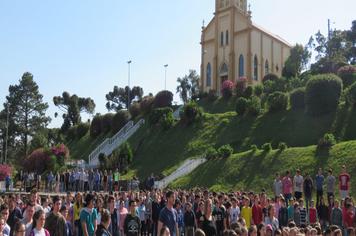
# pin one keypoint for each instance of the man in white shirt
(234, 211)
(298, 185)
(277, 186)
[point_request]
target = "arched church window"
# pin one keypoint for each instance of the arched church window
(222, 39)
(266, 67)
(255, 68)
(208, 75)
(241, 66)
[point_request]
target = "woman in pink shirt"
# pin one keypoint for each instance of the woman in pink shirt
(122, 212)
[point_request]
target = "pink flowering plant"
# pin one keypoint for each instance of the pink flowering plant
(5, 170)
(227, 88)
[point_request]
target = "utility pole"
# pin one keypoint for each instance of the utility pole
(7, 132)
(128, 91)
(165, 76)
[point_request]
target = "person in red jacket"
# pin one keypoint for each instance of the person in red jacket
(313, 214)
(257, 215)
(349, 216)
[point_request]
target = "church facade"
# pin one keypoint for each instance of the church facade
(234, 47)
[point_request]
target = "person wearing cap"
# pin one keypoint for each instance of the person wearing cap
(55, 222)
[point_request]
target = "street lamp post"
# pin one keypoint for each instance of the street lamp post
(128, 91)
(165, 76)
(7, 132)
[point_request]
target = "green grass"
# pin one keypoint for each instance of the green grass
(81, 148)
(255, 170)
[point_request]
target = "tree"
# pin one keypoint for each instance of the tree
(118, 98)
(297, 61)
(72, 106)
(27, 109)
(188, 87)
(351, 36)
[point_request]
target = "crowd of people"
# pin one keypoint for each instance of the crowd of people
(76, 180)
(290, 211)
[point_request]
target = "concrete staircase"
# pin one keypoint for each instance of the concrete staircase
(187, 167)
(110, 144)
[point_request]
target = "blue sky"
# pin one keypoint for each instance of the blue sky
(81, 46)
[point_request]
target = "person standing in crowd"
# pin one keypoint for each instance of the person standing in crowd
(39, 219)
(19, 229)
(110, 181)
(308, 190)
(77, 207)
(91, 180)
(132, 222)
(208, 225)
(303, 213)
(27, 220)
(270, 219)
(114, 226)
(180, 217)
(141, 211)
(88, 216)
(283, 214)
(277, 186)
(323, 212)
(64, 212)
(4, 210)
(344, 183)
(319, 183)
(103, 228)
(116, 180)
(97, 179)
(330, 185)
(257, 214)
(219, 214)
(189, 220)
(336, 215)
(234, 213)
(313, 213)
(168, 215)
(156, 208)
(287, 186)
(246, 212)
(122, 216)
(298, 185)
(14, 212)
(55, 222)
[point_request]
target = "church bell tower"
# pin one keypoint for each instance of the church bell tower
(241, 5)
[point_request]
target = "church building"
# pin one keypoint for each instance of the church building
(234, 47)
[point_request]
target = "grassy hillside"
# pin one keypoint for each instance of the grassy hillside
(255, 170)
(81, 148)
(157, 151)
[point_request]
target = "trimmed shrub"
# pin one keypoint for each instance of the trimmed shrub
(254, 147)
(241, 106)
(162, 117)
(146, 104)
(322, 94)
(119, 120)
(135, 110)
(106, 122)
(227, 88)
(347, 74)
(254, 106)
(258, 90)
(248, 92)
(267, 147)
(282, 146)
(327, 141)
(351, 94)
(82, 130)
(163, 99)
(191, 112)
(297, 99)
(212, 96)
(225, 151)
(211, 153)
(270, 77)
(277, 101)
(95, 126)
(241, 85)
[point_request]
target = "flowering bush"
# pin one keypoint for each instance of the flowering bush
(5, 170)
(227, 88)
(60, 150)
